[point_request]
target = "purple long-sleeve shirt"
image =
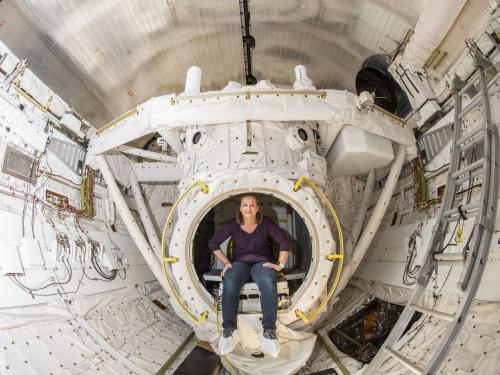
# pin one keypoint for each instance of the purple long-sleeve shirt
(249, 247)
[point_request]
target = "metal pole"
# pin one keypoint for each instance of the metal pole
(163, 369)
(363, 209)
(129, 221)
(147, 154)
(332, 354)
(379, 210)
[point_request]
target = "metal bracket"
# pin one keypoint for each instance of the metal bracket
(334, 256)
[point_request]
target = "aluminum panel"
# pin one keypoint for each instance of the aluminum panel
(106, 57)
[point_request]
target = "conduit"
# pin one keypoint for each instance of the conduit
(378, 212)
(434, 23)
(363, 209)
(129, 221)
(147, 154)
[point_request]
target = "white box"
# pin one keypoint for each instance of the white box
(31, 254)
(71, 122)
(356, 152)
(10, 262)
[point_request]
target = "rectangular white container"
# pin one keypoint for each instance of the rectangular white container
(355, 152)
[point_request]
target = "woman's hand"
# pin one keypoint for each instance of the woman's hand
(226, 267)
(276, 267)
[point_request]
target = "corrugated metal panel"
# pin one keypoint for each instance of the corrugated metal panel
(126, 51)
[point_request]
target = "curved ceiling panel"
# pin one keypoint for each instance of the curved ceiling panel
(105, 57)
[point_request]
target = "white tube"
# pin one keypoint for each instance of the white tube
(363, 208)
(129, 221)
(193, 81)
(144, 214)
(300, 72)
(146, 154)
(378, 212)
(302, 81)
(434, 23)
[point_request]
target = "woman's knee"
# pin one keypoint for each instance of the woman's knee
(266, 279)
(232, 281)
(229, 284)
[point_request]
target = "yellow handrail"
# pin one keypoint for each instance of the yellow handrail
(321, 94)
(166, 259)
(331, 257)
(109, 125)
(17, 86)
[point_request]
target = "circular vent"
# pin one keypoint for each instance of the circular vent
(196, 138)
(302, 134)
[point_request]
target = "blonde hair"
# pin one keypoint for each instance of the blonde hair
(239, 217)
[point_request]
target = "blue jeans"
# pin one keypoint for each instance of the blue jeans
(234, 279)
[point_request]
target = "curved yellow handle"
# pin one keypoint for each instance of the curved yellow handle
(166, 259)
(42, 107)
(331, 257)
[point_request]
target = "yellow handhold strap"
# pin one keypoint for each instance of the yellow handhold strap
(166, 259)
(331, 257)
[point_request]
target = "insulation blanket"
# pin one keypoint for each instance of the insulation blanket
(336, 108)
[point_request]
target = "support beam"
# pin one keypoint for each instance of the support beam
(324, 339)
(363, 209)
(144, 214)
(129, 221)
(379, 211)
(147, 154)
(157, 172)
(164, 369)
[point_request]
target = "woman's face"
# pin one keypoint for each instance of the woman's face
(249, 208)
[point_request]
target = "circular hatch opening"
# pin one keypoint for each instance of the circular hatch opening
(208, 267)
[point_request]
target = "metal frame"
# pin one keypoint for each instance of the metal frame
(477, 246)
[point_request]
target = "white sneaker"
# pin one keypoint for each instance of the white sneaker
(269, 342)
(227, 341)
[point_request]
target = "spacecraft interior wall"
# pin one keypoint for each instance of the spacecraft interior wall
(333, 107)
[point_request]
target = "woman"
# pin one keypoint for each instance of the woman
(251, 256)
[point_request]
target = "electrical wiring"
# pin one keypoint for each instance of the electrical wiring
(95, 262)
(58, 178)
(97, 267)
(81, 246)
(49, 294)
(83, 251)
(30, 289)
(410, 272)
(33, 201)
(121, 269)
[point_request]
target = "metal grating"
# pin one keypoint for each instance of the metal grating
(72, 155)
(429, 144)
(20, 165)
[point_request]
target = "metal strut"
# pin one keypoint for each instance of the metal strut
(248, 42)
(475, 252)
